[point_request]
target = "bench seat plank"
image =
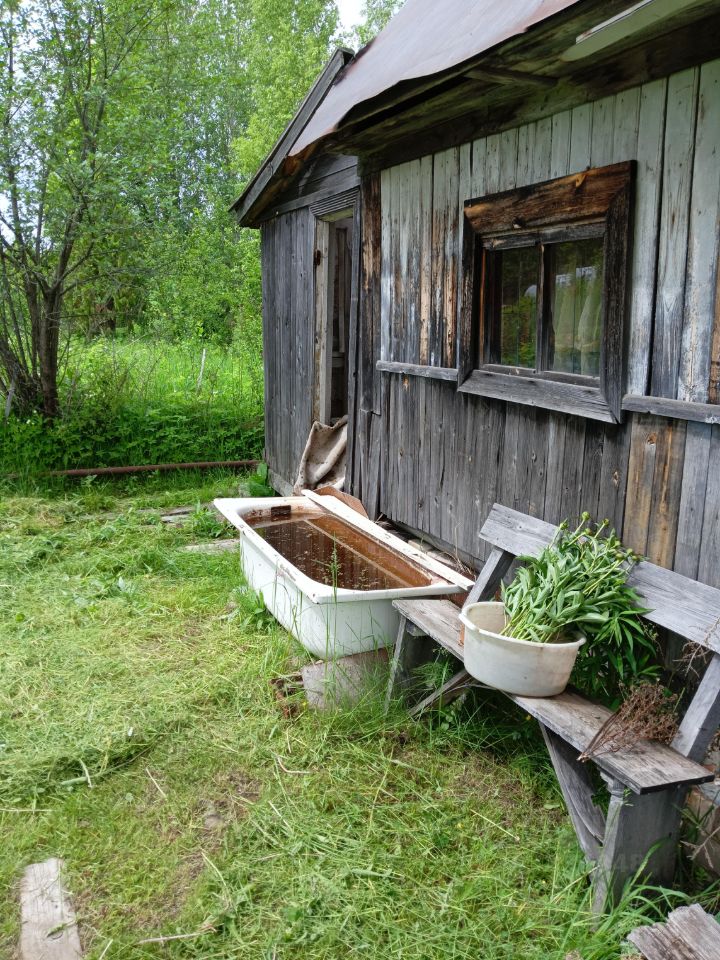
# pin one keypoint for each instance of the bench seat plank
(644, 768)
(438, 619)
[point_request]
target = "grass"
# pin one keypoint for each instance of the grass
(142, 743)
(134, 401)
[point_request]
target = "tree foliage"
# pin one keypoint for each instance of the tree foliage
(376, 14)
(127, 127)
(63, 65)
(290, 42)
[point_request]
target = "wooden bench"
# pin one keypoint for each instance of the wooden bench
(647, 783)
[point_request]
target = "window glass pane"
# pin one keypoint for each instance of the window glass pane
(576, 303)
(517, 307)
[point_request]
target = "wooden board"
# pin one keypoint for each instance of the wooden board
(644, 768)
(584, 195)
(675, 205)
(688, 934)
(438, 620)
(48, 925)
(648, 186)
(703, 242)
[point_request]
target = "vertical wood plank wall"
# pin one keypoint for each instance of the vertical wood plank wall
(288, 244)
(444, 457)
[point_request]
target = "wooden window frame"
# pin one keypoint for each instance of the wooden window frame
(592, 203)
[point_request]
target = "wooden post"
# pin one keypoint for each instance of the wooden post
(577, 789)
(641, 834)
(412, 649)
(701, 719)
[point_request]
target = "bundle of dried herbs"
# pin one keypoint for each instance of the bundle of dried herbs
(578, 585)
(649, 712)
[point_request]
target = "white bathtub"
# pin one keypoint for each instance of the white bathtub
(329, 621)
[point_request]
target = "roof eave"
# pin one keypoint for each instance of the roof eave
(257, 193)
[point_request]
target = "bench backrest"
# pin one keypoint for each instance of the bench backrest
(678, 603)
(688, 608)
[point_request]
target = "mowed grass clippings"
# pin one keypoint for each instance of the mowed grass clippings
(141, 742)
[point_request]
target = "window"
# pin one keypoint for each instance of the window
(544, 275)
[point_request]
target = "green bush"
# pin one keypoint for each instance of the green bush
(134, 402)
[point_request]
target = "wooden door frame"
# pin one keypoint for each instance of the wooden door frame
(324, 304)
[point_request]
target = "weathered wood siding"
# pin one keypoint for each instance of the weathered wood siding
(288, 239)
(445, 457)
(288, 337)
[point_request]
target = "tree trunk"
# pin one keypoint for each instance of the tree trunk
(48, 352)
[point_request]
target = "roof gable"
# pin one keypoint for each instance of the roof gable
(279, 168)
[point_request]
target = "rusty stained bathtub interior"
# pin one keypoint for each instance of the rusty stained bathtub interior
(331, 552)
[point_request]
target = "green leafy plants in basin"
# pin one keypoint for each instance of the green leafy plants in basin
(578, 585)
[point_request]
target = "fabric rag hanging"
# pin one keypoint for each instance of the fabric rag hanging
(324, 457)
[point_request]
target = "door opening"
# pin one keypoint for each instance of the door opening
(333, 258)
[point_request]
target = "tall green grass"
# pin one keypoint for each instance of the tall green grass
(135, 401)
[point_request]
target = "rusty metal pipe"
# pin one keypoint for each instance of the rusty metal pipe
(143, 468)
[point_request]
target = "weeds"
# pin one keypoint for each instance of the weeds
(135, 402)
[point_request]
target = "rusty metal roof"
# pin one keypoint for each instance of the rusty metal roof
(425, 37)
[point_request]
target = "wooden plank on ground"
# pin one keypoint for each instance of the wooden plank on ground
(48, 925)
(689, 933)
(212, 546)
(697, 929)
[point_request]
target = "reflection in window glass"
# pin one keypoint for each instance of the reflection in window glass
(576, 270)
(517, 307)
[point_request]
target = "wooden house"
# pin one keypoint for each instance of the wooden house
(491, 238)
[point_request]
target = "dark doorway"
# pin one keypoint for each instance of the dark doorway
(333, 297)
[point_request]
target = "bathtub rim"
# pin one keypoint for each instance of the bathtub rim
(322, 593)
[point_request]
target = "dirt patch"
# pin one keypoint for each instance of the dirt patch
(289, 694)
(232, 795)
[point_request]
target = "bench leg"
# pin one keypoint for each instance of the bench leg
(577, 790)
(449, 691)
(412, 650)
(640, 832)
